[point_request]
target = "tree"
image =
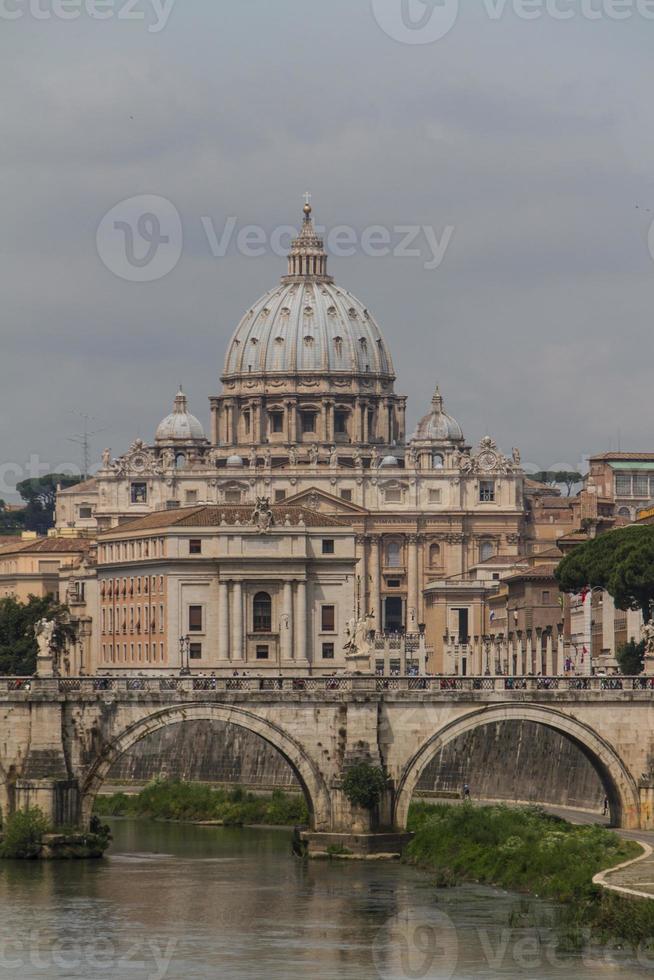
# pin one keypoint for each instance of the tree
(364, 784)
(40, 495)
(18, 646)
(620, 561)
(631, 658)
(554, 477)
(11, 520)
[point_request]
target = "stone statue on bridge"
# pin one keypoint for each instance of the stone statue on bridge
(44, 631)
(360, 634)
(647, 635)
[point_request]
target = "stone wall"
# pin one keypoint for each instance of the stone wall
(507, 761)
(516, 760)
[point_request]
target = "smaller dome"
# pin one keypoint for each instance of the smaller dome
(180, 426)
(234, 462)
(389, 461)
(437, 425)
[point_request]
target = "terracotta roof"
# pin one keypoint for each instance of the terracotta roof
(86, 487)
(500, 560)
(214, 515)
(549, 553)
(638, 457)
(49, 546)
(538, 572)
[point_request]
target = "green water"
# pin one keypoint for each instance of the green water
(173, 901)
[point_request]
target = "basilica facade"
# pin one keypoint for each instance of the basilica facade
(308, 419)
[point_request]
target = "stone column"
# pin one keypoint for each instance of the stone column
(364, 422)
(560, 650)
(520, 665)
(301, 624)
(511, 654)
(237, 621)
(287, 622)
(529, 666)
(324, 435)
(223, 621)
(549, 654)
(374, 582)
(362, 591)
(412, 584)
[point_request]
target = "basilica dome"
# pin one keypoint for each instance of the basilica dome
(437, 425)
(308, 324)
(180, 425)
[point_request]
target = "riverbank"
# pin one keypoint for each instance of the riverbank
(203, 804)
(530, 851)
(28, 836)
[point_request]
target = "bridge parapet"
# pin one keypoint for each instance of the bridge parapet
(54, 687)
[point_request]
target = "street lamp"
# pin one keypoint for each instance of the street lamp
(185, 652)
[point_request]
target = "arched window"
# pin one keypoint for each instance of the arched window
(434, 555)
(180, 461)
(262, 613)
(486, 550)
(393, 554)
(624, 512)
(437, 461)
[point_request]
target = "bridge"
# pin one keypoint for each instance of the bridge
(60, 737)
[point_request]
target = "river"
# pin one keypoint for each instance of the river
(185, 902)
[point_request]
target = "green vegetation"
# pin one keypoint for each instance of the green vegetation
(620, 561)
(23, 833)
(631, 658)
(568, 478)
(172, 800)
(18, 646)
(364, 784)
(40, 495)
(529, 850)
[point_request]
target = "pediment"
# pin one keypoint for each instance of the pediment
(325, 503)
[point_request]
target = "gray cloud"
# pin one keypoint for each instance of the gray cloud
(534, 140)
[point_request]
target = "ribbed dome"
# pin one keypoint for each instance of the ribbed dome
(437, 425)
(308, 324)
(180, 426)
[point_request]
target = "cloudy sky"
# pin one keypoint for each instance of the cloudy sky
(524, 146)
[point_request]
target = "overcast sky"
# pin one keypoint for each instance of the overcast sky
(523, 145)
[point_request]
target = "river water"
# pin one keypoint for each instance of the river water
(185, 902)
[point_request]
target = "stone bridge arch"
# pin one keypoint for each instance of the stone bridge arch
(314, 786)
(620, 785)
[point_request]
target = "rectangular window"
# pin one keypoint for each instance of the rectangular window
(623, 485)
(195, 619)
(435, 496)
(346, 495)
(232, 496)
(393, 495)
(328, 546)
(280, 495)
(641, 485)
(195, 546)
(195, 651)
(262, 652)
(308, 421)
(276, 421)
(246, 422)
(328, 619)
(393, 583)
(191, 496)
(546, 597)
(340, 423)
(328, 651)
(139, 493)
(85, 511)
(486, 491)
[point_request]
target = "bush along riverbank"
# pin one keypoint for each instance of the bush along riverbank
(27, 836)
(528, 850)
(199, 803)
